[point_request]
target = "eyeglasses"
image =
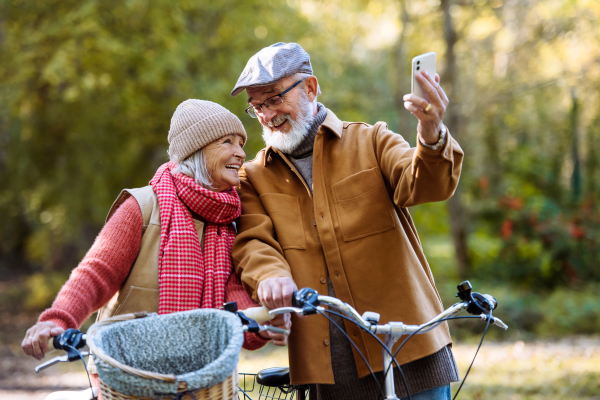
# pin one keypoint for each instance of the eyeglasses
(271, 103)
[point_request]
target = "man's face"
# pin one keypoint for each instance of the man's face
(284, 125)
(292, 102)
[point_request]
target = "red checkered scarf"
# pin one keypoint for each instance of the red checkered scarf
(190, 277)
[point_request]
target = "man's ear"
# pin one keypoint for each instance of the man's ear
(311, 84)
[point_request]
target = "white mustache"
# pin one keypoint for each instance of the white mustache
(278, 120)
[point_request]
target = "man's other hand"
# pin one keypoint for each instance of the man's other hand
(281, 321)
(276, 292)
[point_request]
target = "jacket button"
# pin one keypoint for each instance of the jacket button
(326, 342)
(323, 280)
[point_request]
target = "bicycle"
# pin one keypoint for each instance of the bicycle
(308, 302)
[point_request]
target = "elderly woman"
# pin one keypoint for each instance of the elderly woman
(165, 247)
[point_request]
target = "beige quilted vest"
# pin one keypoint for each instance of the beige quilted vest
(139, 292)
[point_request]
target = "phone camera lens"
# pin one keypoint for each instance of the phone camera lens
(418, 68)
(418, 62)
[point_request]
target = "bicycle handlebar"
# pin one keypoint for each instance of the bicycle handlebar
(307, 301)
(71, 340)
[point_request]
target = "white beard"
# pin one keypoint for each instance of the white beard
(287, 142)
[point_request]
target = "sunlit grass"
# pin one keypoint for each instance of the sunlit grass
(566, 369)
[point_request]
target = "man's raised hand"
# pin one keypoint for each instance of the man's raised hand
(430, 120)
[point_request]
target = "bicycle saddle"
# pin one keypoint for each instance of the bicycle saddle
(273, 377)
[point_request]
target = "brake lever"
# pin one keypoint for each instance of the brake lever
(285, 310)
(55, 360)
(275, 330)
(260, 328)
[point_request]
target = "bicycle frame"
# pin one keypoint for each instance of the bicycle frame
(393, 331)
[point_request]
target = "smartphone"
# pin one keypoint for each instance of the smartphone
(424, 62)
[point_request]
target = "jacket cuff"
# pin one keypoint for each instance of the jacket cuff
(60, 318)
(439, 144)
(423, 154)
(445, 152)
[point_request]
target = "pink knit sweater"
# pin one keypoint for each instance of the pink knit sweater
(106, 266)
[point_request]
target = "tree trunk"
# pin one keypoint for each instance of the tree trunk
(402, 74)
(458, 218)
(576, 176)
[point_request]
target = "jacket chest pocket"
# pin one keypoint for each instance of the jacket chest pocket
(363, 205)
(284, 211)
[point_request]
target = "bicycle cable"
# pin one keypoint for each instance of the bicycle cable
(94, 397)
(427, 325)
(404, 381)
(477, 351)
(355, 348)
(489, 317)
(396, 353)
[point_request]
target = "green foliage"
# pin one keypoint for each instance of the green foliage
(538, 244)
(571, 312)
(41, 289)
(32, 294)
(87, 90)
(531, 314)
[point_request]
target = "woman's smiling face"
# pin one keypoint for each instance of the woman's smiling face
(224, 157)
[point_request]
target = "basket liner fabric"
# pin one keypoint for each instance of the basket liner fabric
(200, 347)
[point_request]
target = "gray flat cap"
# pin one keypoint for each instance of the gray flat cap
(272, 64)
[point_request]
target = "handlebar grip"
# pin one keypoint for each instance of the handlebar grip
(499, 323)
(51, 343)
(305, 296)
(71, 338)
(296, 302)
(259, 314)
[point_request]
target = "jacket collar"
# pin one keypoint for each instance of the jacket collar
(333, 123)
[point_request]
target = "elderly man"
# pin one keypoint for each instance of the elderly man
(324, 205)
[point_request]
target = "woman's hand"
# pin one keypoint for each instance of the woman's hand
(429, 114)
(35, 343)
(281, 321)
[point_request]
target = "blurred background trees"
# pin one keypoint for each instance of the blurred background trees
(88, 87)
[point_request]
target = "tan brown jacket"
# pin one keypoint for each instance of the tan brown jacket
(354, 228)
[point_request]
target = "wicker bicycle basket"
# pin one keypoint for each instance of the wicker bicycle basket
(190, 355)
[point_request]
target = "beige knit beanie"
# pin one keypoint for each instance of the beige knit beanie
(197, 123)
